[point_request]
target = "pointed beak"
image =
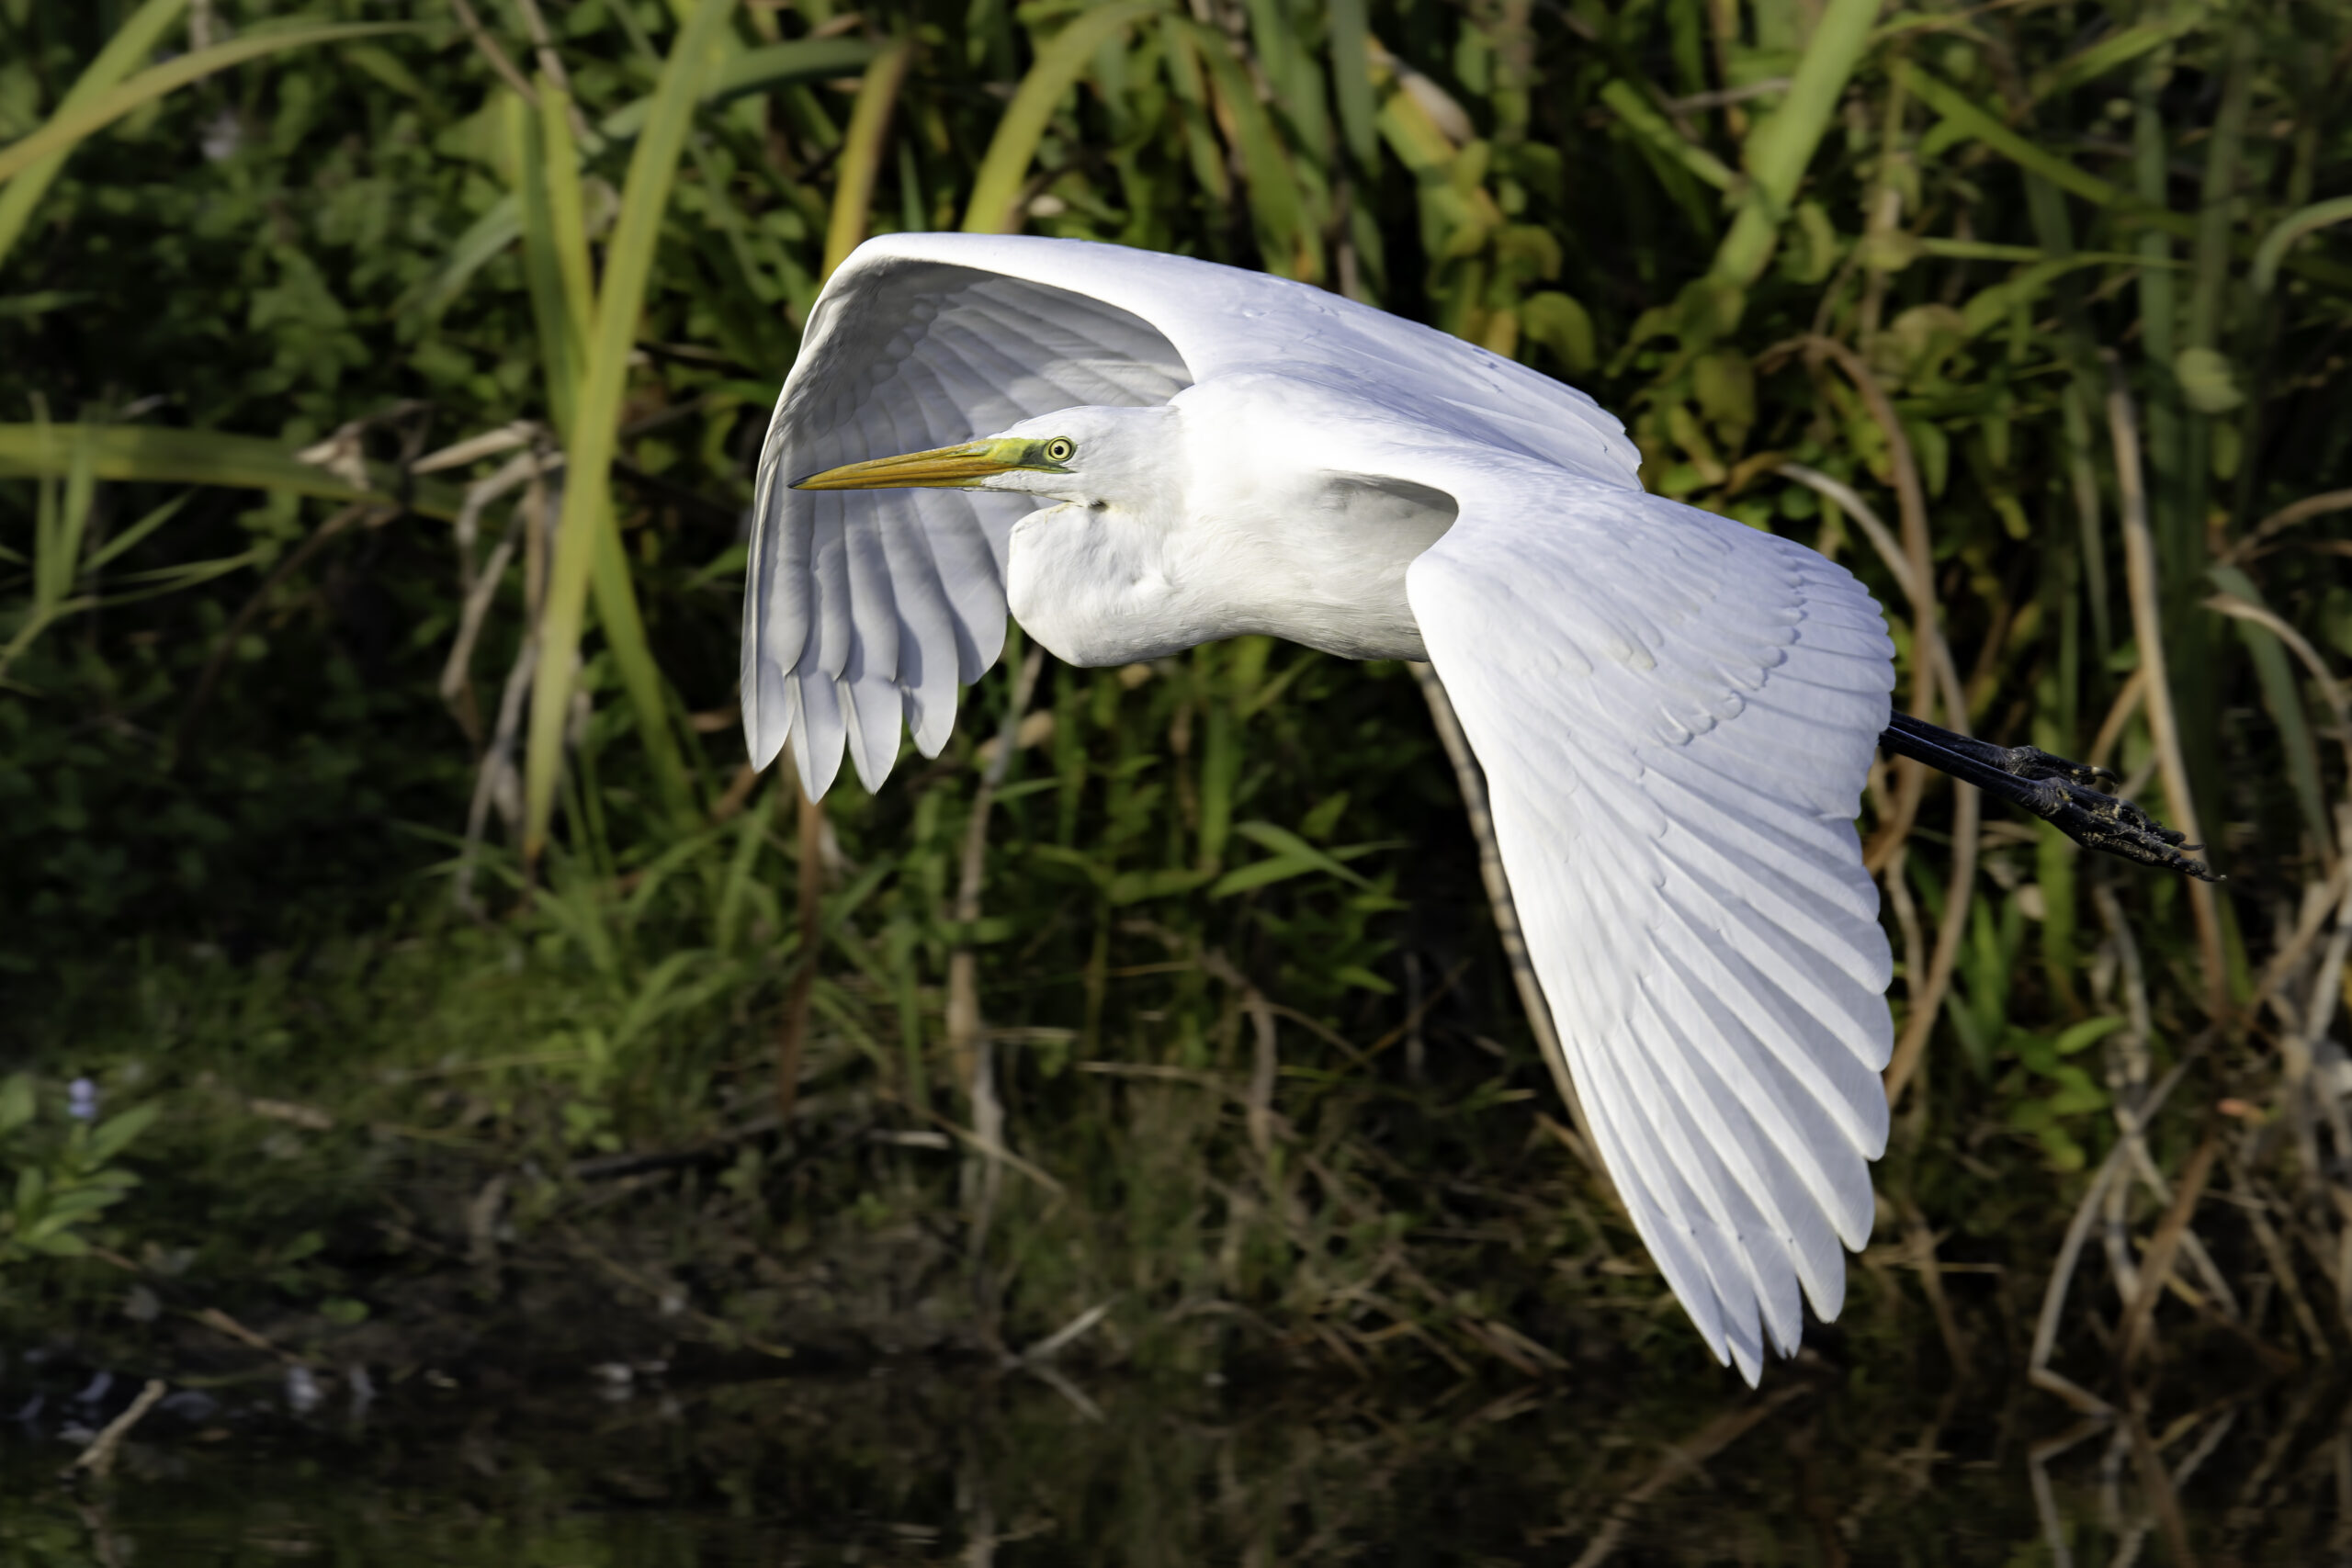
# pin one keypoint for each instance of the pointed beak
(942, 468)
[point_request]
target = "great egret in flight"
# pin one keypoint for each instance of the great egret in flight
(1138, 452)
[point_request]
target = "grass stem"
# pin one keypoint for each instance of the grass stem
(2147, 623)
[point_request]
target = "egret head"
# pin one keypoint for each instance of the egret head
(1090, 455)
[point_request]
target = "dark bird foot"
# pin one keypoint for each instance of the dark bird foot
(2074, 798)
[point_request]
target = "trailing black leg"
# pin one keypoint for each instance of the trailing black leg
(2072, 798)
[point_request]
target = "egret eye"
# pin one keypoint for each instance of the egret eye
(1060, 449)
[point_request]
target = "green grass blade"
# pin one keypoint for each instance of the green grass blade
(2215, 218)
(187, 574)
(132, 454)
(132, 42)
(559, 343)
(73, 123)
(1274, 203)
(130, 537)
(1352, 81)
(2181, 490)
(776, 64)
(2054, 870)
(485, 239)
(2115, 50)
(59, 524)
(861, 154)
(1991, 306)
(489, 235)
(752, 71)
(2285, 701)
(44, 548)
(2286, 231)
(1646, 122)
(555, 246)
(74, 518)
(1296, 81)
(1980, 249)
(624, 627)
(40, 302)
(1282, 842)
(567, 211)
(628, 263)
(1970, 120)
(1202, 154)
(1014, 146)
(750, 831)
(1781, 146)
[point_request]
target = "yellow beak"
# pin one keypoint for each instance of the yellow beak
(942, 468)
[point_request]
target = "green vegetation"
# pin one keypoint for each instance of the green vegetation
(381, 402)
(61, 1188)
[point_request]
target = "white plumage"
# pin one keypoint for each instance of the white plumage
(1675, 713)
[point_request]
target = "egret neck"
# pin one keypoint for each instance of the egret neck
(1185, 523)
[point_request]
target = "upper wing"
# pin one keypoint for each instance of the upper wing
(1222, 319)
(1676, 714)
(860, 605)
(863, 605)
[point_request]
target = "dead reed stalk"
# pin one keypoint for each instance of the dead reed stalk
(1683, 1458)
(1472, 782)
(2156, 1268)
(2148, 629)
(791, 1041)
(98, 1459)
(967, 1042)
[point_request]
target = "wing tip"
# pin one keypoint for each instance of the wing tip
(760, 744)
(1748, 1354)
(815, 723)
(767, 719)
(931, 716)
(872, 713)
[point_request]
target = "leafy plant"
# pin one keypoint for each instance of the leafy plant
(62, 1181)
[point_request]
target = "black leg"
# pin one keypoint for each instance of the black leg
(2068, 796)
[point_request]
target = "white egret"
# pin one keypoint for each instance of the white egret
(1138, 452)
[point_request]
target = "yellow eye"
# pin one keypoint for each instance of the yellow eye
(1061, 450)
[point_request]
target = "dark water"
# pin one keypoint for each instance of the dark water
(920, 1465)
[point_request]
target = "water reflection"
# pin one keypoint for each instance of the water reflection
(913, 1465)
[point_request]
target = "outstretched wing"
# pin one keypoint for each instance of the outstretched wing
(861, 607)
(864, 607)
(1676, 714)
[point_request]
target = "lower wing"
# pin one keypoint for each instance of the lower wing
(1676, 714)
